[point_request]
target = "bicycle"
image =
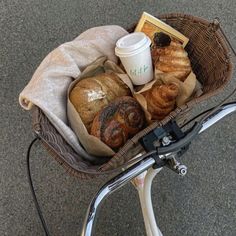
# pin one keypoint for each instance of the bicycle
(163, 146)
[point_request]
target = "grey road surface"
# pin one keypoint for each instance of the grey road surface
(201, 204)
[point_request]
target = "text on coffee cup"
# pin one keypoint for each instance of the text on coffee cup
(138, 71)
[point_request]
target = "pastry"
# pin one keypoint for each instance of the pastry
(118, 121)
(91, 94)
(161, 99)
(170, 57)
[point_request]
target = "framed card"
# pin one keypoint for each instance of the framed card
(149, 25)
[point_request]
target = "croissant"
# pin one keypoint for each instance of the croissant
(171, 58)
(161, 99)
(118, 121)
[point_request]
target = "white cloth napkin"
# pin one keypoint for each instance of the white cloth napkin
(48, 87)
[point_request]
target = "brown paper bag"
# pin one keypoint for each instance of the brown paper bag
(188, 89)
(92, 144)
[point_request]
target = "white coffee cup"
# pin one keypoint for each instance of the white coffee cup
(135, 55)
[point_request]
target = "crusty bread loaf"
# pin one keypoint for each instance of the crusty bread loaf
(91, 94)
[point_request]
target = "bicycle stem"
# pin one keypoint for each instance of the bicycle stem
(110, 187)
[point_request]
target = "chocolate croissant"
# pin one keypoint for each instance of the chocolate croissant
(170, 57)
(161, 100)
(118, 121)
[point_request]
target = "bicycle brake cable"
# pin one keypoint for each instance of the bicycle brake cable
(40, 214)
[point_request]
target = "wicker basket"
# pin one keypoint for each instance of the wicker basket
(209, 55)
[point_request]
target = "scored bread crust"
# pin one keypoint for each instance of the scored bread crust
(92, 94)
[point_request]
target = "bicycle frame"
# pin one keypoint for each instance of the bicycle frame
(141, 175)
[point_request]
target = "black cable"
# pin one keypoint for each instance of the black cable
(197, 116)
(33, 190)
(202, 113)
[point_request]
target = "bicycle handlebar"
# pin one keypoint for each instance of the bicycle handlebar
(144, 164)
(218, 115)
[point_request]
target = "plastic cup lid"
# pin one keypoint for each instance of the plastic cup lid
(130, 43)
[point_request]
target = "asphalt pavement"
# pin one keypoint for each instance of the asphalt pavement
(203, 203)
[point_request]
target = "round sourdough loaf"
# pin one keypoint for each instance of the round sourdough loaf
(92, 94)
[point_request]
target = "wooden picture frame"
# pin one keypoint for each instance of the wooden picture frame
(149, 25)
